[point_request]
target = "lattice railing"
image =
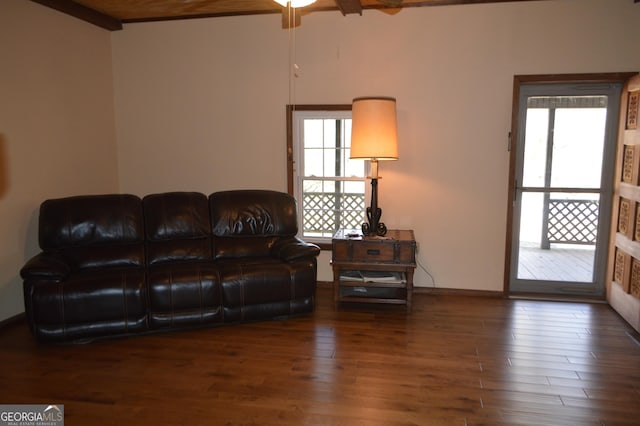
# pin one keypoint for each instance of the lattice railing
(324, 213)
(572, 221)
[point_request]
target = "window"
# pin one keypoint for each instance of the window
(330, 188)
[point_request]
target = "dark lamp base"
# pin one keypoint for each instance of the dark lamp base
(374, 227)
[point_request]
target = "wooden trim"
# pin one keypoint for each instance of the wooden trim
(513, 142)
(84, 13)
(12, 320)
(290, 161)
(161, 18)
(457, 292)
(557, 297)
(439, 291)
(320, 107)
(614, 77)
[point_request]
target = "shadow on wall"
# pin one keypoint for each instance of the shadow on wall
(4, 167)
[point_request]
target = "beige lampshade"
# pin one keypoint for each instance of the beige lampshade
(374, 129)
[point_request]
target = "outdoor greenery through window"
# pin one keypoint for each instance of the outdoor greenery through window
(330, 188)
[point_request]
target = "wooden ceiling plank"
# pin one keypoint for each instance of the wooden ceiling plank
(349, 6)
(83, 12)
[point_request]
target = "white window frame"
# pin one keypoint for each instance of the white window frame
(297, 144)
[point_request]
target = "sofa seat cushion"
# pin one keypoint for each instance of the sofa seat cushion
(255, 288)
(88, 304)
(184, 293)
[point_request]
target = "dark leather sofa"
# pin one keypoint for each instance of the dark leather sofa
(118, 265)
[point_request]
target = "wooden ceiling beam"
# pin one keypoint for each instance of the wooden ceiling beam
(349, 6)
(83, 12)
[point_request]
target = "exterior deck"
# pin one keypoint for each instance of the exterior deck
(562, 262)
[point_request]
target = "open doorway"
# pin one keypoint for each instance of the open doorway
(563, 157)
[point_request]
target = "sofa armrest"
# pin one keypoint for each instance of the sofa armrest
(46, 266)
(289, 249)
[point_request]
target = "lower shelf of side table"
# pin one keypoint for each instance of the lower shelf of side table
(372, 293)
(394, 292)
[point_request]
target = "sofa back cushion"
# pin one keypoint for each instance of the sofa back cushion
(247, 223)
(94, 230)
(177, 227)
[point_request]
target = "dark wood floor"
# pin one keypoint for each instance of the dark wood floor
(454, 361)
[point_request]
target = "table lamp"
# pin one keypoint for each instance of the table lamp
(374, 137)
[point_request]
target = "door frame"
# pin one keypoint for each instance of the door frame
(518, 82)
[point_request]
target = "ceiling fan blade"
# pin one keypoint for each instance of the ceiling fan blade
(349, 6)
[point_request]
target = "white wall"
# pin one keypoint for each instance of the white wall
(200, 105)
(57, 128)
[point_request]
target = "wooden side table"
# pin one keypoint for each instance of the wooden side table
(372, 269)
